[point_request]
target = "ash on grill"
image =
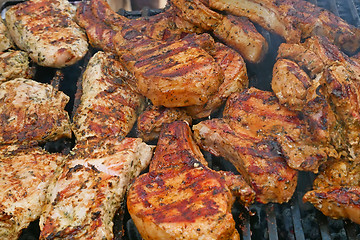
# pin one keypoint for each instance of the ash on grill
(292, 220)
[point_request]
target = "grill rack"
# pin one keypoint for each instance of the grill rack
(293, 220)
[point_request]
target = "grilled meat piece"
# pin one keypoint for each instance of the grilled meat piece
(338, 172)
(25, 175)
(236, 32)
(108, 108)
(151, 121)
(294, 20)
(46, 30)
(32, 111)
(343, 89)
(337, 190)
(290, 84)
(165, 26)
(298, 92)
(261, 112)
(322, 122)
(235, 79)
(181, 197)
(308, 60)
(172, 74)
(82, 201)
(257, 158)
(328, 96)
(15, 64)
(5, 39)
(337, 202)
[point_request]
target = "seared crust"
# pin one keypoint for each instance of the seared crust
(337, 202)
(151, 121)
(15, 64)
(261, 112)
(290, 84)
(172, 74)
(108, 107)
(336, 190)
(181, 197)
(235, 79)
(46, 30)
(294, 20)
(239, 33)
(82, 200)
(258, 159)
(5, 39)
(25, 173)
(32, 111)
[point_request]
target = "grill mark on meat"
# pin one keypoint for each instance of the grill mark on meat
(208, 207)
(159, 57)
(293, 68)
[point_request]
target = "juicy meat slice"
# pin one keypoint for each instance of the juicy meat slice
(261, 112)
(258, 159)
(338, 172)
(15, 64)
(32, 111)
(46, 30)
(343, 89)
(308, 60)
(82, 200)
(337, 190)
(108, 108)
(165, 26)
(294, 20)
(236, 32)
(297, 91)
(337, 202)
(290, 84)
(319, 97)
(180, 197)
(172, 74)
(5, 39)
(25, 175)
(235, 79)
(151, 121)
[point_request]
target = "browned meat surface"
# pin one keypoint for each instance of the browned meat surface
(151, 121)
(82, 201)
(261, 112)
(328, 96)
(172, 74)
(297, 91)
(294, 20)
(337, 191)
(25, 173)
(290, 83)
(337, 202)
(257, 158)
(108, 108)
(338, 173)
(180, 197)
(47, 31)
(166, 26)
(236, 32)
(343, 89)
(32, 111)
(5, 39)
(235, 79)
(15, 64)
(304, 57)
